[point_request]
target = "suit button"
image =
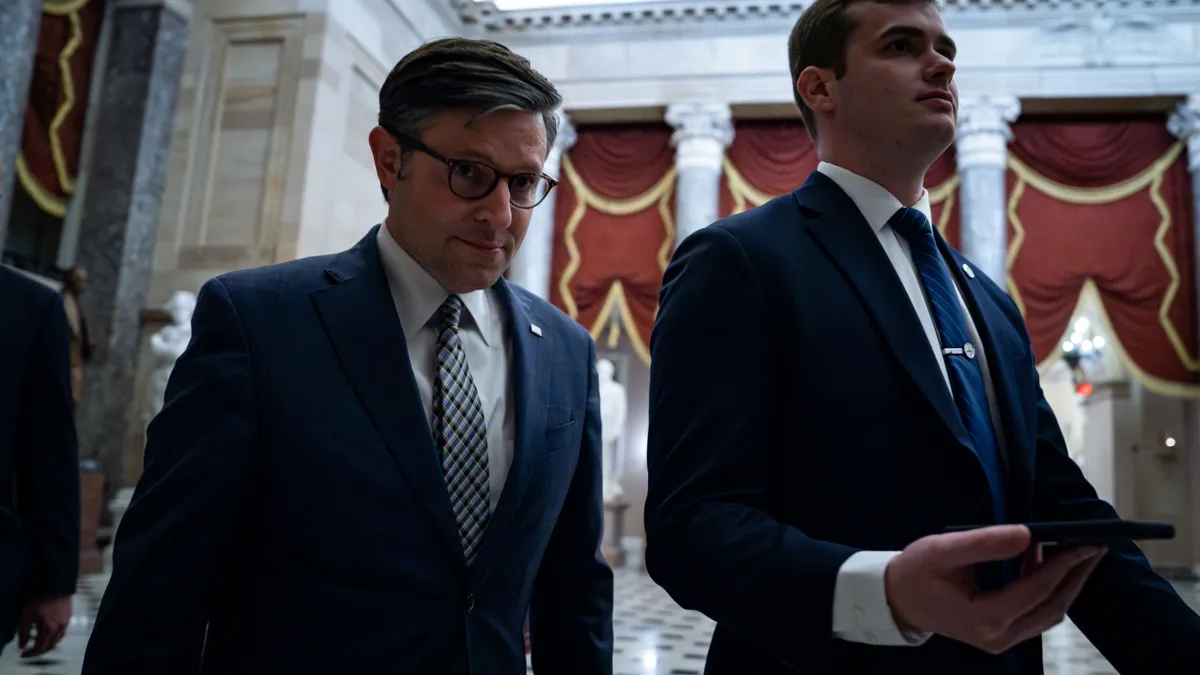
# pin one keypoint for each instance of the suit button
(470, 603)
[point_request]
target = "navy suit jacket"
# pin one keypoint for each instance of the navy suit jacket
(798, 415)
(293, 500)
(39, 456)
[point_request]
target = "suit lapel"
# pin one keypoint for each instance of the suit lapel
(1019, 456)
(839, 227)
(530, 385)
(360, 318)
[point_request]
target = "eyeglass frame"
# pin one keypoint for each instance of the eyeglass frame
(408, 141)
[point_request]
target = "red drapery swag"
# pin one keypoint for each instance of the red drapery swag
(614, 229)
(58, 98)
(772, 158)
(1104, 205)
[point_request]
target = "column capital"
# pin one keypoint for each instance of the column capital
(983, 129)
(702, 131)
(566, 132)
(562, 142)
(1184, 124)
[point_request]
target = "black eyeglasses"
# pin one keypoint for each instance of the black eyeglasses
(469, 179)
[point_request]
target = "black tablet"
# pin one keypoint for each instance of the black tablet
(1090, 532)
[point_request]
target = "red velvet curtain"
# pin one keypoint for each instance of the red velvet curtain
(614, 227)
(774, 157)
(58, 101)
(1108, 201)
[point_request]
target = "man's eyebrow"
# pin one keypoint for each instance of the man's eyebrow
(942, 40)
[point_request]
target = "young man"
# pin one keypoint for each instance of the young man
(377, 461)
(864, 387)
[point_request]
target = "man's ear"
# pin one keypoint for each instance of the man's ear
(817, 87)
(389, 160)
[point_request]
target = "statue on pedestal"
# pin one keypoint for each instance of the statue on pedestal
(75, 283)
(612, 419)
(1058, 386)
(166, 346)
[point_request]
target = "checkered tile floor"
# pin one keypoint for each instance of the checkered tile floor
(653, 636)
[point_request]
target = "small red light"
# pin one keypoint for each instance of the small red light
(1084, 389)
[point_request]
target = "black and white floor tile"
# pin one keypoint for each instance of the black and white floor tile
(654, 636)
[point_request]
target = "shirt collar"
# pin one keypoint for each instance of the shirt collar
(418, 295)
(872, 199)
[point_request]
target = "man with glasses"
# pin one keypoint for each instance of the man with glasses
(381, 460)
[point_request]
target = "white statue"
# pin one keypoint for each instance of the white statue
(1058, 386)
(166, 346)
(612, 425)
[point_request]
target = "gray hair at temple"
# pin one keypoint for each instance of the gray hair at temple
(464, 73)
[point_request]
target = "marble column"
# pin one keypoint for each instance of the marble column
(120, 216)
(702, 132)
(19, 24)
(531, 266)
(982, 153)
(1185, 124)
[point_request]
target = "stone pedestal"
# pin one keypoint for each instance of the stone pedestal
(982, 154)
(531, 266)
(614, 531)
(117, 507)
(702, 132)
(120, 215)
(19, 24)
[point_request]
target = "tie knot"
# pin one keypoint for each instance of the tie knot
(449, 314)
(910, 224)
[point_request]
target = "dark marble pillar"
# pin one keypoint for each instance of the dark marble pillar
(120, 214)
(19, 23)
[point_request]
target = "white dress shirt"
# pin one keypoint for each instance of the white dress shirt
(860, 608)
(485, 341)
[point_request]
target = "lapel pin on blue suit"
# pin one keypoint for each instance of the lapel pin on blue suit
(535, 329)
(970, 272)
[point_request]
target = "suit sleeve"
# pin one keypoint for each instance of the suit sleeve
(1130, 613)
(174, 540)
(47, 461)
(570, 619)
(712, 542)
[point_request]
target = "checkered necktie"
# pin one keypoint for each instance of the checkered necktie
(459, 430)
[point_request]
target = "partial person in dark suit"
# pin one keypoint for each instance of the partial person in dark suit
(379, 460)
(39, 467)
(863, 386)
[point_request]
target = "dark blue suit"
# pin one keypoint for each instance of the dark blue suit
(293, 498)
(797, 415)
(39, 456)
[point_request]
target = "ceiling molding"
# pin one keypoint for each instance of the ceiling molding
(652, 17)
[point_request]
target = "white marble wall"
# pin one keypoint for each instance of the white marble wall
(1024, 61)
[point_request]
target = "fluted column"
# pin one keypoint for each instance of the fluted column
(702, 132)
(19, 24)
(1185, 124)
(982, 153)
(531, 266)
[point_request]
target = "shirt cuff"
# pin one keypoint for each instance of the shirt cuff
(860, 607)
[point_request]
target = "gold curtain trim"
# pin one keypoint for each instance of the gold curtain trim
(660, 193)
(48, 202)
(1157, 385)
(744, 194)
(1152, 178)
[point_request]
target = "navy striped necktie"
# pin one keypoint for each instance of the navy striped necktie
(965, 371)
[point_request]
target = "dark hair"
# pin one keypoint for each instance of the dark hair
(820, 38)
(463, 73)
